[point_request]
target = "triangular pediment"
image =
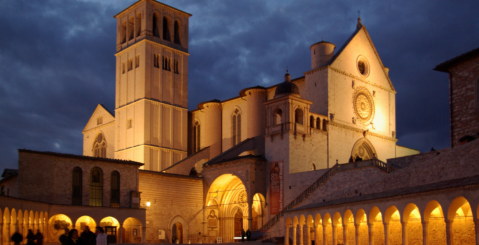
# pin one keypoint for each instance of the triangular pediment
(99, 117)
(360, 47)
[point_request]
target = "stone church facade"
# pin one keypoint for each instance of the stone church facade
(312, 159)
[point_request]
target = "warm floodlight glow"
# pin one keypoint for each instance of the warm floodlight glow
(148, 204)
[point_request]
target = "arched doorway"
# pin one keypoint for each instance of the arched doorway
(362, 150)
(227, 208)
(57, 225)
(238, 226)
(177, 233)
(132, 230)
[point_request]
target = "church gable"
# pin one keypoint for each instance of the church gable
(100, 116)
(359, 59)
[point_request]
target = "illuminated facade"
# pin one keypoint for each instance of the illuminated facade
(312, 158)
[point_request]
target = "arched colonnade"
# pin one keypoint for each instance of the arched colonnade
(453, 221)
(129, 230)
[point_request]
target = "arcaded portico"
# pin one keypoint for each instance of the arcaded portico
(428, 218)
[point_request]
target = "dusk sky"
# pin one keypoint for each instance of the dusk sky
(57, 58)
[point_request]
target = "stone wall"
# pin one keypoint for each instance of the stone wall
(172, 198)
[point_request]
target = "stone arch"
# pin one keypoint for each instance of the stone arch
(310, 229)
(412, 224)
(348, 223)
(311, 121)
(363, 149)
(318, 229)
(460, 216)
(229, 191)
(375, 221)
(83, 222)
(393, 228)
(327, 229)
(110, 222)
(56, 225)
(338, 228)
(302, 230)
(318, 123)
(132, 230)
(179, 230)
(434, 220)
(361, 222)
(257, 211)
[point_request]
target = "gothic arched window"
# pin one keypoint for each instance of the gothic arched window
(96, 187)
(166, 30)
(99, 146)
(156, 33)
(176, 38)
(298, 116)
(77, 182)
(278, 117)
(236, 127)
(115, 189)
(196, 137)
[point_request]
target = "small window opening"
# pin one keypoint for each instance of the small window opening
(166, 31)
(137, 61)
(156, 61)
(177, 33)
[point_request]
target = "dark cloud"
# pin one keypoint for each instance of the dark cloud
(57, 60)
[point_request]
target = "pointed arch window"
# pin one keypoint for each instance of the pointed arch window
(156, 33)
(166, 30)
(236, 126)
(96, 187)
(176, 38)
(115, 189)
(196, 137)
(99, 146)
(138, 24)
(77, 182)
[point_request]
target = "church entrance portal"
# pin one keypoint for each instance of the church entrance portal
(226, 208)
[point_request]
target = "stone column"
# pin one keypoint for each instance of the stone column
(295, 235)
(308, 235)
(1, 231)
(356, 234)
(324, 233)
(286, 235)
(335, 240)
(301, 236)
(404, 233)
(316, 231)
(449, 232)
(120, 234)
(370, 234)
(345, 234)
(386, 233)
(476, 229)
(425, 233)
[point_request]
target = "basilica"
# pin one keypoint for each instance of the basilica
(309, 160)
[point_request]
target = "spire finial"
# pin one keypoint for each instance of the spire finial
(287, 77)
(359, 24)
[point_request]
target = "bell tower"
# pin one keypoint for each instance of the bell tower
(151, 104)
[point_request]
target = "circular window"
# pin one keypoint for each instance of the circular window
(363, 105)
(363, 66)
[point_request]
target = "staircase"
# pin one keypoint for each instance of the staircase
(322, 179)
